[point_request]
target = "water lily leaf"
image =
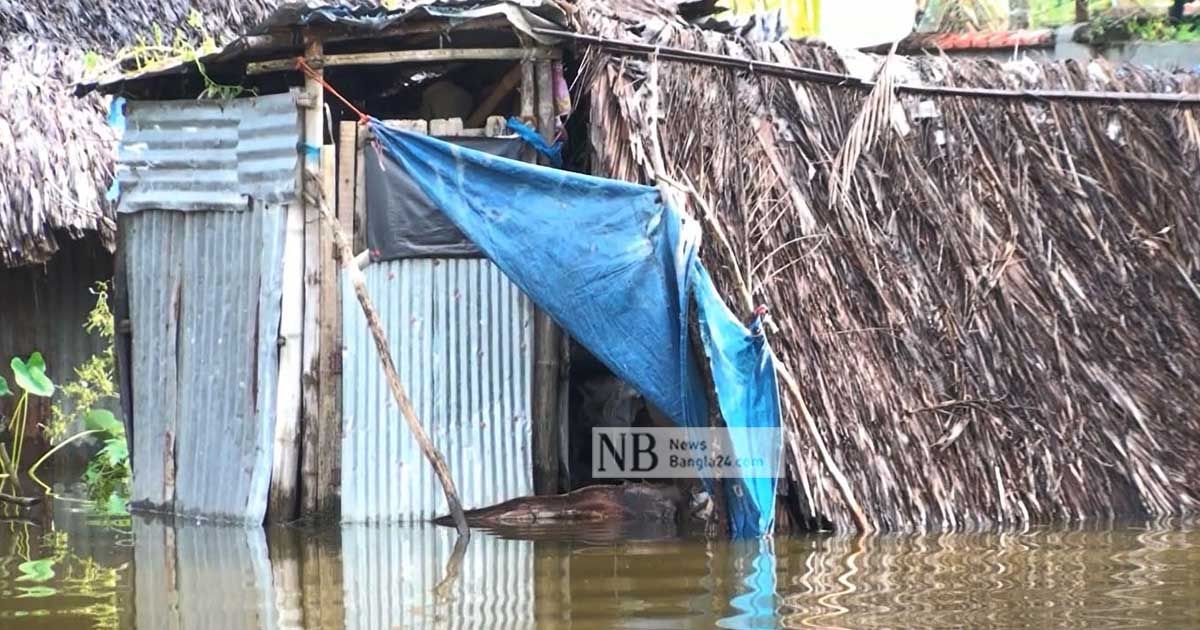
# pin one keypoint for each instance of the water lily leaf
(103, 420)
(4, 390)
(31, 375)
(36, 591)
(36, 570)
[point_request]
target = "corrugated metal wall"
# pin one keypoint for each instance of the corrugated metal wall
(391, 574)
(208, 155)
(203, 229)
(204, 293)
(462, 341)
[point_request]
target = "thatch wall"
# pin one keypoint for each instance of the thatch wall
(56, 149)
(999, 323)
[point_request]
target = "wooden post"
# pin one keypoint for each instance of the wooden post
(283, 499)
(329, 372)
(528, 92)
(346, 257)
(360, 192)
(314, 138)
(546, 335)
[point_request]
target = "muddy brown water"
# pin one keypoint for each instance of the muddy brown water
(72, 569)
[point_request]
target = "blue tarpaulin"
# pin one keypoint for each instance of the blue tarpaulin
(615, 266)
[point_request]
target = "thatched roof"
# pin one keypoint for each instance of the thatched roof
(57, 149)
(999, 323)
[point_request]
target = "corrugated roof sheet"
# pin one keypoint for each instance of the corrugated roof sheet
(462, 341)
(209, 155)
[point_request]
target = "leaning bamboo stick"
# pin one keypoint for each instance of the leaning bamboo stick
(346, 258)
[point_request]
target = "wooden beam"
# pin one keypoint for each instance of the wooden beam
(505, 87)
(314, 138)
(329, 372)
(432, 55)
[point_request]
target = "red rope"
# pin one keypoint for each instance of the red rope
(301, 64)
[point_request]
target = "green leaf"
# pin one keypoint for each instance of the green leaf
(31, 375)
(4, 390)
(36, 570)
(103, 420)
(115, 452)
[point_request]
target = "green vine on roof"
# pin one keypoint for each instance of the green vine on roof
(157, 52)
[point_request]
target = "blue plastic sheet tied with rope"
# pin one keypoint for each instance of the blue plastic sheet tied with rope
(617, 268)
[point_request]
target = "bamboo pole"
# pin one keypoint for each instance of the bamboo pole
(621, 48)
(436, 55)
(352, 273)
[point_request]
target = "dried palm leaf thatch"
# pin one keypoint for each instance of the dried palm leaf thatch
(998, 323)
(57, 150)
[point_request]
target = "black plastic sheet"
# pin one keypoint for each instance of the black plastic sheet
(402, 222)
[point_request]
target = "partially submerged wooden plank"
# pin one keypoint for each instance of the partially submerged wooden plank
(433, 55)
(314, 138)
(282, 499)
(329, 384)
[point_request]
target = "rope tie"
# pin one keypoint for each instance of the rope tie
(303, 66)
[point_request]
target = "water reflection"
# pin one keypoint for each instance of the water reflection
(64, 568)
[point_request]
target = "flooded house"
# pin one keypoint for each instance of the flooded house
(914, 302)
(256, 388)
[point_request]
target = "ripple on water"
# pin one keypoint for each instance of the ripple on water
(67, 570)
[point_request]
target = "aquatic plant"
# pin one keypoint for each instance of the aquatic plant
(108, 473)
(31, 379)
(94, 381)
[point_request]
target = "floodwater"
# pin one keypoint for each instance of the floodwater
(70, 569)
